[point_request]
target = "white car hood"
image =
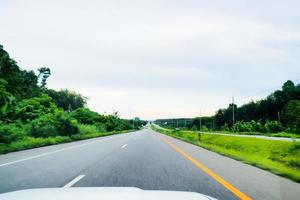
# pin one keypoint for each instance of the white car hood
(101, 193)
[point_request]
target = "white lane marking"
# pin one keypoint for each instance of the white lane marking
(75, 180)
(124, 146)
(52, 152)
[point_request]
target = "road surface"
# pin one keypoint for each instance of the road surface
(143, 159)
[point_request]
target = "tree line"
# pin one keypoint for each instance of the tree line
(278, 112)
(29, 109)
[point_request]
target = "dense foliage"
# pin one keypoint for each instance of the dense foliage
(29, 110)
(66, 99)
(279, 112)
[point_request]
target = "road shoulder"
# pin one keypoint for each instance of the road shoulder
(255, 182)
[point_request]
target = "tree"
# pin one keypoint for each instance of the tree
(20, 83)
(6, 99)
(85, 116)
(291, 115)
(29, 109)
(65, 125)
(66, 99)
(268, 109)
(44, 73)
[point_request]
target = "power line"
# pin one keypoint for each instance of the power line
(267, 90)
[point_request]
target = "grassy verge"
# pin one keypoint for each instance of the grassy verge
(280, 134)
(31, 142)
(279, 157)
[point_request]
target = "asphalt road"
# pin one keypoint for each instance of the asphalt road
(142, 159)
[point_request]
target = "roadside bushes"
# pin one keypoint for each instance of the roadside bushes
(85, 129)
(291, 115)
(30, 109)
(101, 122)
(43, 126)
(257, 127)
(50, 125)
(273, 127)
(251, 126)
(114, 123)
(85, 116)
(65, 124)
(59, 123)
(10, 133)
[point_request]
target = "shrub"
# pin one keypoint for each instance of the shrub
(101, 127)
(43, 126)
(291, 115)
(10, 133)
(65, 125)
(87, 129)
(56, 124)
(257, 126)
(241, 127)
(225, 127)
(249, 127)
(273, 127)
(114, 123)
(30, 109)
(85, 116)
(194, 128)
(204, 128)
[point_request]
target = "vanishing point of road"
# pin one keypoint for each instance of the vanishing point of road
(143, 159)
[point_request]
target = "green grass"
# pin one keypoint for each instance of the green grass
(31, 142)
(279, 157)
(280, 134)
(284, 134)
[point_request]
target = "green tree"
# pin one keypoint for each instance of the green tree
(85, 116)
(291, 115)
(44, 73)
(20, 83)
(29, 109)
(67, 100)
(267, 109)
(65, 124)
(6, 99)
(273, 126)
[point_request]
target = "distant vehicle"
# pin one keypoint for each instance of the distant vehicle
(103, 193)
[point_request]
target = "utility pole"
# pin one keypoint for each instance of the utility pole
(133, 123)
(278, 113)
(232, 111)
(200, 124)
(69, 107)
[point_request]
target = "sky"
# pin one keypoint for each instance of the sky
(157, 58)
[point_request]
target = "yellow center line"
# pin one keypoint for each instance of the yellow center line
(227, 185)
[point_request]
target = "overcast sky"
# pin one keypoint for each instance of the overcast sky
(157, 58)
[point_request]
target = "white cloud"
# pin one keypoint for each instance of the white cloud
(156, 52)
